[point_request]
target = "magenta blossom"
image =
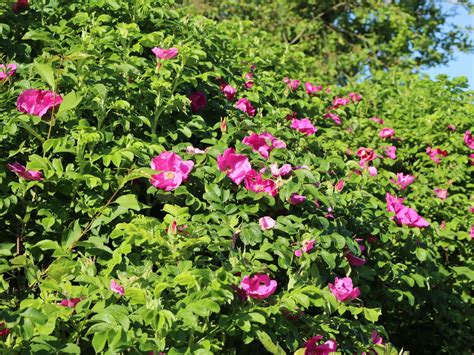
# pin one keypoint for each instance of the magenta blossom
(312, 347)
(304, 126)
(469, 139)
(22, 171)
(266, 223)
(307, 246)
(471, 158)
(312, 89)
(292, 84)
(173, 171)
(339, 185)
(70, 302)
(442, 194)
(436, 154)
(20, 5)
(37, 102)
(376, 338)
(372, 171)
(333, 117)
(236, 166)
(249, 80)
(165, 54)
(116, 287)
(404, 215)
(6, 71)
(263, 143)
(244, 105)
(229, 91)
(391, 152)
(296, 199)
(355, 260)
(4, 331)
(386, 132)
(377, 120)
(471, 232)
(403, 180)
(344, 290)
(198, 101)
(259, 286)
(365, 155)
(255, 182)
(284, 170)
(355, 97)
(340, 101)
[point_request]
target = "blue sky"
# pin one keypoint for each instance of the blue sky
(463, 63)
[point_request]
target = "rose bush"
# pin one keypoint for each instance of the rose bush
(145, 207)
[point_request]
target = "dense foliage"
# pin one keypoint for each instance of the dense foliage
(110, 242)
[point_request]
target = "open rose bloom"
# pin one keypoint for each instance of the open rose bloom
(7, 70)
(469, 139)
(333, 117)
(117, 288)
(304, 126)
(236, 166)
(292, 84)
(244, 105)
(313, 346)
(37, 102)
(343, 289)
(404, 215)
(173, 170)
(436, 154)
(259, 286)
(312, 89)
(263, 143)
(165, 54)
(70, 302)
(266, 223)
(26, 174)
(386, 133)
(255, 182)
(403, 180)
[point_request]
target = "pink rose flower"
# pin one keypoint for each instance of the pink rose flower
(173, 170)
(304, 126)
(296, 199)
(117, 288)
(236, 166)
(244, 105)
(376, 338)
(266, 223)
(229, 91)
(377, 120)
(355, 260)
(255, 182)
(37, 102)
(372, 171)
(312, 89)
(365, 155)
(355, 97)
(343, 289)
(6, 71)
(391, 151)
(451, 127)
(259, 286)
(339, 185)
(191, 150)
(284, 170)
(333, 117)
(404, 215)
(70, 302)
(340, 101)
(471, 158)
(403, 180)
(198, 101)
(20, 5)
(292, 84)
(471, 232)
(165, 54)
(263, 143)
(21, 170)
(249, 80)
(307, 246)
(469, 139)
(311, 347)
(442, 194)
(436, 154)
(4, 331)
(386, 133)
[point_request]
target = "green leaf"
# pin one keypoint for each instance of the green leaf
(47, 73)
(130, 202)
(70, 101)
(372, 314)
(421, 254)
(99, 340)
(268, 344)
